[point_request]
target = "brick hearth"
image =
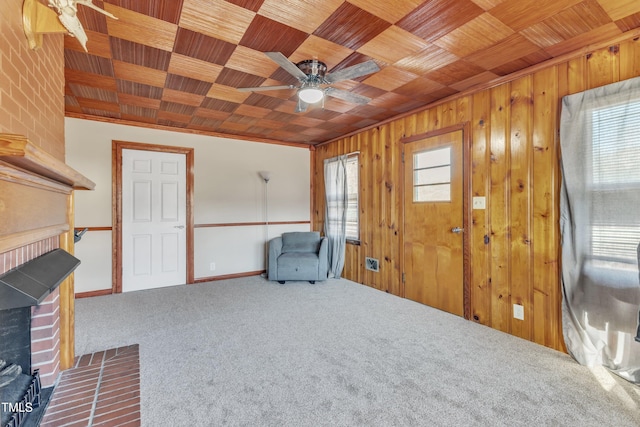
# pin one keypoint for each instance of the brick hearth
(102, 389)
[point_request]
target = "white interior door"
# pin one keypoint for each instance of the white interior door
(153, 219)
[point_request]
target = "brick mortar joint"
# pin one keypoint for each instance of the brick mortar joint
(55, 313)
(53, 326)
(53, 351)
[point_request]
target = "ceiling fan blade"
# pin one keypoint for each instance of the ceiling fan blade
(263, 88)
(287, 65)
(347, 96)
(352, 72)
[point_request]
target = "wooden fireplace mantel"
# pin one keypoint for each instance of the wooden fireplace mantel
(34, 188)
(36, 203)
(18, 151)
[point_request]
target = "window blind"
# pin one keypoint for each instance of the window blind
(615, 182)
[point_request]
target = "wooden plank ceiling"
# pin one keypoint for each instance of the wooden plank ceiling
(177, 63)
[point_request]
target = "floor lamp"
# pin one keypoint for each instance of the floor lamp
(266, 176)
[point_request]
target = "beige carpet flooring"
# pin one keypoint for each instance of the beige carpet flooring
(249, 352)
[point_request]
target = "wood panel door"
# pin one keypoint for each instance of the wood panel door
(153, 219)
(433, 222)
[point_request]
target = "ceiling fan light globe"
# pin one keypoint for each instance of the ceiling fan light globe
(310, 95)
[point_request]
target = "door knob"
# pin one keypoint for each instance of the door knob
(457, 230)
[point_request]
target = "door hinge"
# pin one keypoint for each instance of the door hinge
(403, 277)
(403, 157)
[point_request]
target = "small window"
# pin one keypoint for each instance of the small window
(615, 182)
(353, 185)
(432, 175)
(339, 214)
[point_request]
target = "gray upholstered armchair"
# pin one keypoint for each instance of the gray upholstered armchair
(298, 256)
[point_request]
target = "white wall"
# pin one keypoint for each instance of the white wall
(227, 189)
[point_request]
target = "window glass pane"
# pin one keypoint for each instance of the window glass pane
(615, 178)
(432, 175)
(616, 152)
(431, 158)
(432, 193)
(335, 213)
(353, 185)
(437, 175)
(615, 242)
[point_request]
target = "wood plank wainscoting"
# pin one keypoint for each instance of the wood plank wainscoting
(515, 241)
(36, 202)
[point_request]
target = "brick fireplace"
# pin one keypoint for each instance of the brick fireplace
(36, 235)
(36, 187)
(45, 317)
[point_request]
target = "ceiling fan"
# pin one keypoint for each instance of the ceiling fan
(315, 82)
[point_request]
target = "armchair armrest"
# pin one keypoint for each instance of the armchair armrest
(323, 255)
(275, 249)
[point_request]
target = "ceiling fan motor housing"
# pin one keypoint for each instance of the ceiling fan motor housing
(314, 69)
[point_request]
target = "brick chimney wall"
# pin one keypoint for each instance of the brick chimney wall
(32, 104)
(32, 83)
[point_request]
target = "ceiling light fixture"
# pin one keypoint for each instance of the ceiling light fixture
(310, 94)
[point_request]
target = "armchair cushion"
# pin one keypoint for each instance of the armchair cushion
(300, 241)
(298, 264)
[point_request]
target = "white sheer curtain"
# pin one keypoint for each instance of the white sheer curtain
(600, 226)
(335, 223)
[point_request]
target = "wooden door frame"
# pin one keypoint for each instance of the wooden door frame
(116, 167)
(466, 206)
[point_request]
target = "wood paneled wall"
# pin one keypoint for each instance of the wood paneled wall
(515, 165)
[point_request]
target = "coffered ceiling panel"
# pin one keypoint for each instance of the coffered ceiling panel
(521, 14)
(98, 44)
(479, 33)
(442, 16)
(218, 19)
(74, 60)
(89, 79)
(195, 68)
(180, 97)
(390, 11)
(140, 28)
(166, 10)
(139, 54)
(393, 44)
(179, 63)
(267, 35)
(138, 73)
(620, 9)
(304, 15)
(351, 26)
(315, 47)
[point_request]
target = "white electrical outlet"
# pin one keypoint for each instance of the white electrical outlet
(479, 203)
(212, 266)
(518, 311)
